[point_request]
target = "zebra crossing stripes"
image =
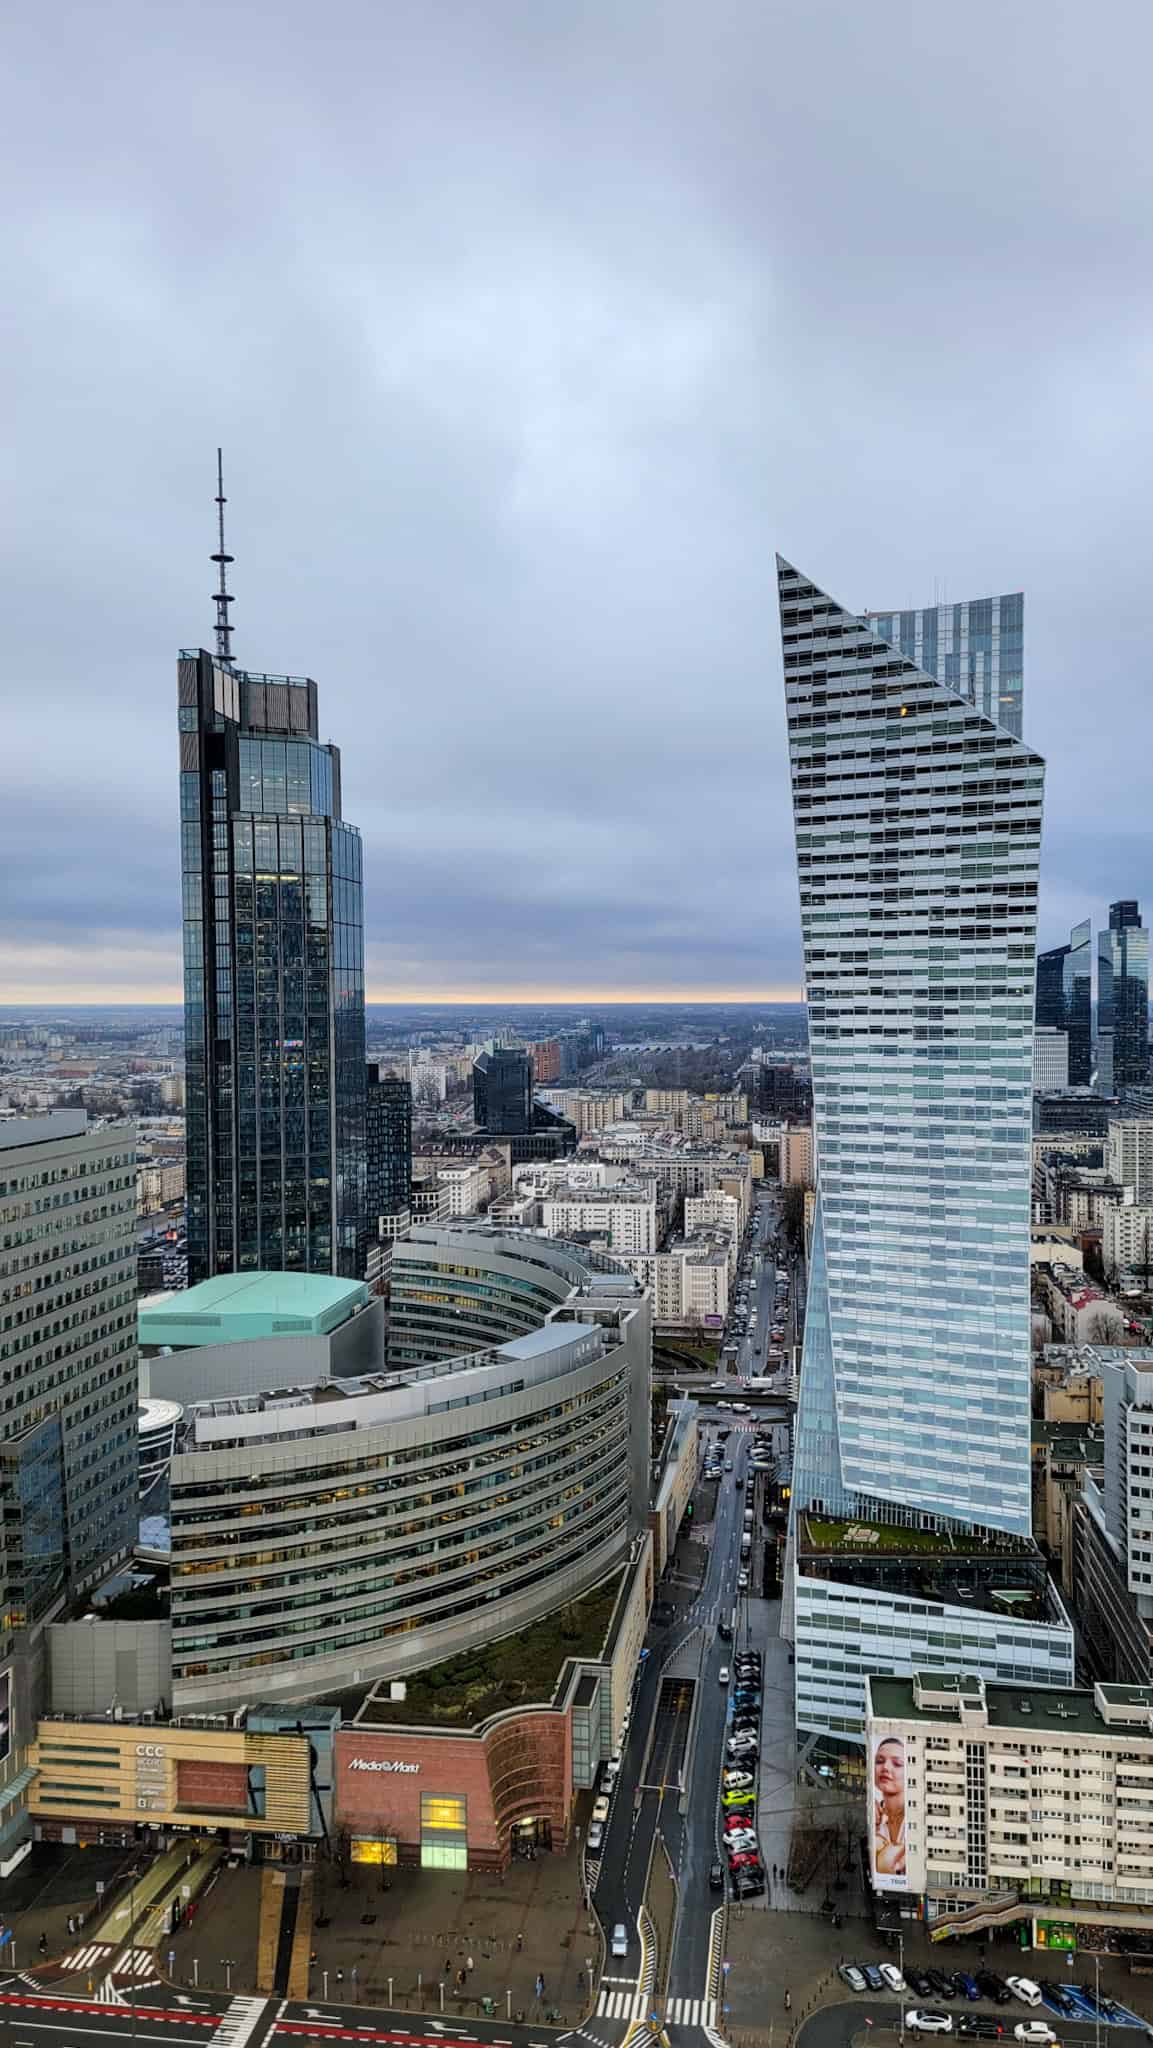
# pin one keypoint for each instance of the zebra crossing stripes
(87, 1958)
(134, 1962)
(623, 2005)
(691, 2012)
(238, 2023)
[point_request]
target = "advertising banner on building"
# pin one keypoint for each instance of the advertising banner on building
(887, 1832)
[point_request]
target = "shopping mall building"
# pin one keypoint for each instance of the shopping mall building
(333, 1541)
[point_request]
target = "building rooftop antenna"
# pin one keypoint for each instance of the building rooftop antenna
(222, 598)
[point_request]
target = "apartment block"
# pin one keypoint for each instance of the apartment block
(990, 1805)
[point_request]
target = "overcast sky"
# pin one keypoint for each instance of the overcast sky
(531, 328)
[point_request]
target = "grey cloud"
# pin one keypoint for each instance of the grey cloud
(530, 332)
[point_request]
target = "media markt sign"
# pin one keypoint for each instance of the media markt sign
(372, 1763)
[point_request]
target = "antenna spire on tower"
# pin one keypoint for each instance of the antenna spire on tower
(223, 600)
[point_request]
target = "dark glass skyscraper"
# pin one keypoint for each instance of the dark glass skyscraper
(1064, 1000)
(389, 1128)
(273, 979)
(1123, 1000)
(502, 1091)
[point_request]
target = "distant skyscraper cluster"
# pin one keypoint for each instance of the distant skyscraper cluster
(1119, 1058)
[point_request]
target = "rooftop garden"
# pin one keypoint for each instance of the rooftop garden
(513, 1672)
(874, 1539)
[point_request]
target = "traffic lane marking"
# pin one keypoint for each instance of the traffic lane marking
(109, 2012)
(340, 2032)
(31, 2004)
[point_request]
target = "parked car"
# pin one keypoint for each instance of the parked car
(992, 1986)
(918, 1982)
(601, 1810)
(941, 1983)
(595, 1836)
(749, 1859)
(741, 1840)
(893, 1977)
(748, 1884)
(979, 2026)
(872, 1976)
(967, 1986)
(1024, 1989)
(1037, 2032)
(921, 2022)
(716, 1877)
(850, 1975)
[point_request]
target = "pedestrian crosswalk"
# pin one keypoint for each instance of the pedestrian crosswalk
(623, 2005)
(241, 2020)
(102, 1955)
(691, 2012)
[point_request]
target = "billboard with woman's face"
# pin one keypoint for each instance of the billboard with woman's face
(887, 1833)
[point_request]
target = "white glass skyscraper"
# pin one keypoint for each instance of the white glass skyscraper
(976, 648)
(918, 823)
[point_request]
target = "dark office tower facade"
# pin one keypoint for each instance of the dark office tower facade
(389, 1135)
(1123, 1000)
(273, 980)
(1064, 1000)
(502, 1091)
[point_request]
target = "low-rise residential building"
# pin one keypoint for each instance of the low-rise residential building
(721, 1212)
(795, 1155)
(1127, 1237)
(1129, 1154)
(999, 1806)
(626, 1216)
(689, 1282)
(1079, 1312)
(1062, 1453)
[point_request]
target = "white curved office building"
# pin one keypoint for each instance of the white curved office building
(327, 1536)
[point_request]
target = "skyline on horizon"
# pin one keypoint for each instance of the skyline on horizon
(556, 329)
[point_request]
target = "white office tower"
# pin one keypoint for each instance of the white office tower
(918, 824)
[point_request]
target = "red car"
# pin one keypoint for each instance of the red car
(748, 1859)
(740, 1816)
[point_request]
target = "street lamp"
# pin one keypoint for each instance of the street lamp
(901, 1968)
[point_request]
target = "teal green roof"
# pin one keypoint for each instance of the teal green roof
(237, 1308)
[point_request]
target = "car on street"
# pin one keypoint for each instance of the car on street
(742, 1582)
(744, 1723)
(872, 1976)
(892, 1977)
(918, 1983)
(748, 1884)
(596, 1835)
(920, 2021)
(601, 1811)
(1024, 1989)
(716, 1877)
(723, 1675)
(850, 1975)
(742, 1839)
(992, 1986)
(1037, 2032)
(733, 1780)
(746, 1668)
(967, 1986)
(979, 2026)
(620, 1941)
(749, 1859)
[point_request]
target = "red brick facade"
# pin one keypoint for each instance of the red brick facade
(520, 1768)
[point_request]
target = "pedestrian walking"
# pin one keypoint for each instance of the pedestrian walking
(460, 1977)
(519, 1943)
(788, 2001)
(470, 1966)
(539, 1985)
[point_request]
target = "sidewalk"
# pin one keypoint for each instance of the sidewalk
(396, 1947)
